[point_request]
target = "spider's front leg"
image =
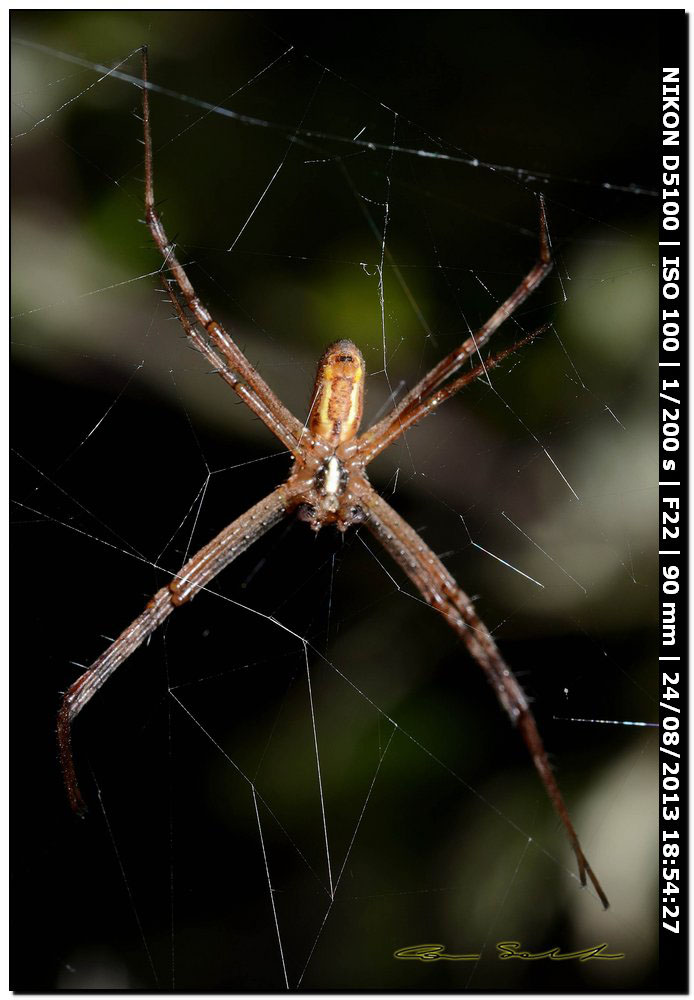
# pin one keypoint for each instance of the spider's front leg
(424, 397)
(440, 590)
(234, 366)
(196, 574)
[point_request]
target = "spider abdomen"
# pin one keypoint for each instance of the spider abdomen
(338, 395)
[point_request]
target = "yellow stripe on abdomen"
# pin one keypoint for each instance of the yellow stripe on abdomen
(338, 396)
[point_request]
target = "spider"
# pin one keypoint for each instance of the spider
(327, 484)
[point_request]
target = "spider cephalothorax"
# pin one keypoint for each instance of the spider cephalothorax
(328, 485)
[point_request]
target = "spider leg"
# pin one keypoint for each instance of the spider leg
(261, 399)
(393, 424)
(422, 408)
(439, 589)
(196, 574)
(268, 416)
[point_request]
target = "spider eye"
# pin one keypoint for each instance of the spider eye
(345, 357)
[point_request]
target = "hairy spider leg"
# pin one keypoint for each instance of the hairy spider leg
(413, 415)
(416, 401)
(440, 590)
(261, 399)
(196, 574)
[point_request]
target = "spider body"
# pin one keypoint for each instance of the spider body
(328, 485)
(329, 481)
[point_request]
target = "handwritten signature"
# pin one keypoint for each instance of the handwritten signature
(506, 950)
(510, 949)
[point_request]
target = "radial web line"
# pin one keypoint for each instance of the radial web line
(233, 763)
(498, 558)
(544, 553)
(270, 889)
(535, 438)
(347, 854)
(499, 908)
(320, 778)
(126, 882)
(279, 166)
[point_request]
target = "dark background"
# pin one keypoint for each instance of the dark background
(164, 883)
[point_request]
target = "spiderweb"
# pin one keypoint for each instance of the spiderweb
(303, 772)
